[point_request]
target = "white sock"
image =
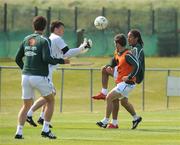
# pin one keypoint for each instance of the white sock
(19, 130)
(42, 115)
(104, 91)
(45, 126)
(135, 117)
(114, 122)
(105, 120)
(30, 112)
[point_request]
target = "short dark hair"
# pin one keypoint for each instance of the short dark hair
(39, 23)
(121, 39)
(56, 24)
(136, 33)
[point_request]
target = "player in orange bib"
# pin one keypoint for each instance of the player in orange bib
(127, 66)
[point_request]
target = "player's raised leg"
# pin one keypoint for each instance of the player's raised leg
(106, 72)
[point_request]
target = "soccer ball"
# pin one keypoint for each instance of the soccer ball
(100, 22)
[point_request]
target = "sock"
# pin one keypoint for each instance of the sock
(30, 112)
(42, 115)
(105, 120)
(19, 130)
(115, 122)
(45, 126)
(135, 117)
(104, 91)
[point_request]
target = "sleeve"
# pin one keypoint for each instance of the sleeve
(65, 49)
(19, 56)
(131, 60)
(47, 57)
(71, 52)
(113, 62)
(62, 45)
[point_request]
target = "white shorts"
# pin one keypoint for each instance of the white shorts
(124, 88)
(32, 83)
(115, 73)
(51, 70)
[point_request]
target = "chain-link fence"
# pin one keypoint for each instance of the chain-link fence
(1, 18)
(151, 95)
(167, 28)
(159, 28)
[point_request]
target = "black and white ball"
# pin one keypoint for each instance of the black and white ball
(101, 22)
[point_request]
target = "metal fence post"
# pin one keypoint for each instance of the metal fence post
(176, 31)
(5, 17)
(75, 19)
(62, 88)
(103, 11)
(59, 15)
(129, 20)
(0, 88)
(143, 95)
(91, 89)
(35, 11)
(48, 21)
(167, 97)
(13, 19)
(153, 21)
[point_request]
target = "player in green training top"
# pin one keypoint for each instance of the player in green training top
(33, 57)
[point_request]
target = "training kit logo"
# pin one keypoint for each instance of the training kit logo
(32, 42)
(30, 50)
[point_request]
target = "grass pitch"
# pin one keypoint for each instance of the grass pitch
(76, 125)
(78, 128)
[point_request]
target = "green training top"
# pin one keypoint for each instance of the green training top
(33, 55)
(138, 52)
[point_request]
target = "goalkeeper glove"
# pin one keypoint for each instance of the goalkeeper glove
(86, 45)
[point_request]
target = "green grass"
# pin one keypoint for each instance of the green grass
(76, 125)
(78, 128)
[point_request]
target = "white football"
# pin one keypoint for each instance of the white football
(100, 22)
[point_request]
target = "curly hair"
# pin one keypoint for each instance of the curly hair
(136, 33)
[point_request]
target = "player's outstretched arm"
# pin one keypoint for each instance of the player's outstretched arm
(83, 48)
